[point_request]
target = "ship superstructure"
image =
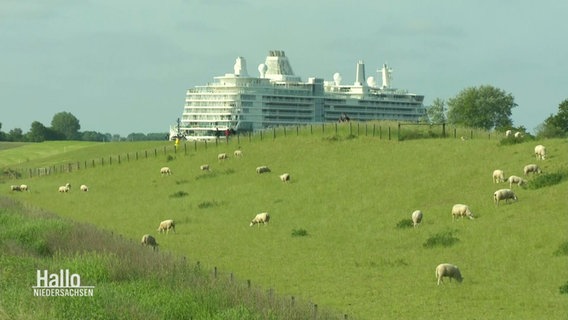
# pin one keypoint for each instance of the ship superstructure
(240, 102)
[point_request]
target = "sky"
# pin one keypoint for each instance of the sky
(123, 67)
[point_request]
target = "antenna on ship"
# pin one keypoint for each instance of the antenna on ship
(387, 75)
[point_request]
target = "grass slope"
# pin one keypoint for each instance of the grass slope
(348, 193)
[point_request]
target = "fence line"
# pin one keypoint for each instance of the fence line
(349, 129)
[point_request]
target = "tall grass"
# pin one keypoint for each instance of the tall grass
(349, 192)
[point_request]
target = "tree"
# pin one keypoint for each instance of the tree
(436, 111)
(67, 124)
(16, 134)
(555, 125)
(484, 107)
(37, 133)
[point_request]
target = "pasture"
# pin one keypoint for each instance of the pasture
(335, 236)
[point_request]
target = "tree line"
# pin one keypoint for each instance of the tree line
(65, 126)
(490, 108)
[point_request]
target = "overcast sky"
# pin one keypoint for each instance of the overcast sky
(124, 66)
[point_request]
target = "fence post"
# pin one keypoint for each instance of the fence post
(195, 145)
(215, 272)
(118, 159)
(260, 135)
(273, 133)
(398, 132)
(455, 133)
(335, 128)
(315, 311)
(389, 133)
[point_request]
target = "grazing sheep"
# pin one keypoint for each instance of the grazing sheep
(461, 210)
(204, 167)
(84, 188)
(148, 240)
(448, 270)
(262, 169)
(508, 133)
(15, 188)
(531, 168)
(263, 218)
(518, 134)
(540, 152)
(516, 180)
(24, 187)
(238, 153)
(285, 177)
(66, 188)
(222, 156)
(498, 176)
(166, 225)
(165, 171)
(416, 217)
(504, 194)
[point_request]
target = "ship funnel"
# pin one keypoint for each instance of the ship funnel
(241, 67)
(360, 74)
(262, 70)
(386, 76)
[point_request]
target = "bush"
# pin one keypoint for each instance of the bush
(179, 194)
(442, 239)
(564, 288)
(562, 249)
(299, 233)
(207, 204)
(405, 223)
(547, 179)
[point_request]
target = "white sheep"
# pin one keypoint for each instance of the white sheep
(504, 194)
(204, 167)
(262, 169)
(24, 187)
(84, 188)
(448, 270)
(166, 225)
(148, 240)
(516, 180)
(540, 152)
(222, 156)
(285, 177)
(531, 168)
(263, 218)
(508, 133)
(15, 188)
(461, 210)
(498, 176)
(165, 171)
(416, 217)
(238, 153)
(518, 135)
(66, 188)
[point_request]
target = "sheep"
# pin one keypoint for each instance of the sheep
(66, 188)
(166, 225)
(262, 169)
(15, 188)
(498, 176)
(518, 135)
(504, 194)
(222, 156)
(285, 177)
(461, 210)
(148, 240)
(531, 168)
(508, 133)
(205, 167)
(263, 218)
(84, 188)
(165, 171)
(516, 180)
(448, 270)
(540, 152)
(416, 217)
(238, 153)
(24, 187)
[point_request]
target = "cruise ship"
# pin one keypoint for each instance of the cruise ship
(239, 102)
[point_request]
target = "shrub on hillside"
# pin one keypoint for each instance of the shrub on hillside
(564, 288)
(299, 233)
(442, 239)
(548, 179)
(169, 158)
(179, 194)
(207, 204)
(562, 249)
(404, 223)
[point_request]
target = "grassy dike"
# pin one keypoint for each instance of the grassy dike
(338, 235)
